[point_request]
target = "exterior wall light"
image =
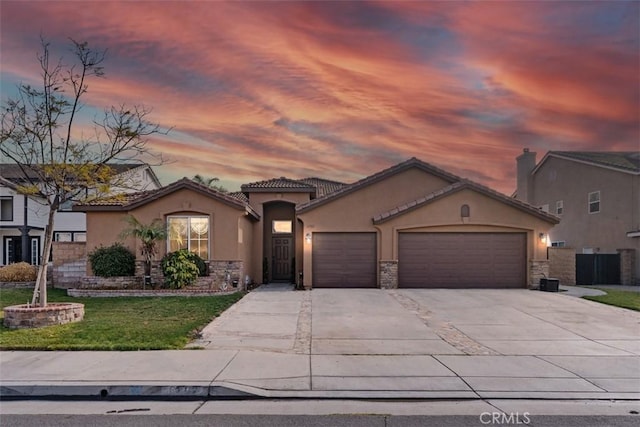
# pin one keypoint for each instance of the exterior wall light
(307, 237)
(543, 237)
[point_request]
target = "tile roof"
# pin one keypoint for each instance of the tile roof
(280, 184)
(240, 196)
(323, 186)
(626, 161)
(458, 186)
(379, 176)
(133, 200)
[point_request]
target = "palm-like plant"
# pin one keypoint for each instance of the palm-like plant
(209, 182)
(149, 235)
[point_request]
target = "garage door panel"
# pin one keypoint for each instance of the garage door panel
(344, 260)
(461, 260)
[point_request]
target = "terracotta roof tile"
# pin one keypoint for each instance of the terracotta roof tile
(323, 186)
(347, 189)
(281, 183)
(130, 201)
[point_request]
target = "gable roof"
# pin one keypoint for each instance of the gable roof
(622, 161)
(377, 177)
(134, 200)
(13, 172)
(281, 184)
(459, 186)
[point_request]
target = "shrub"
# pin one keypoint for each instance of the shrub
(199, 262)
(179, 270)
(18, 272)
(114, 260)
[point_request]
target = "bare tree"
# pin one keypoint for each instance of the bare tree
(57, 164)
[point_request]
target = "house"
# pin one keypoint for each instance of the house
(411, 225)
(24, 218)
(597, 197)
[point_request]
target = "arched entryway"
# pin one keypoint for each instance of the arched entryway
(279, 241)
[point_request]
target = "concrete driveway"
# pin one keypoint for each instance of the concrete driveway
(441, 342)
(349, 343)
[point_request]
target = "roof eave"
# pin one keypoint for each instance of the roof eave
(582, 161)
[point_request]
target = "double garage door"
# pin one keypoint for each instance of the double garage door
(462, 260)
(425, 260)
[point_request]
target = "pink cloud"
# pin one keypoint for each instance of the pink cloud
(255, 90)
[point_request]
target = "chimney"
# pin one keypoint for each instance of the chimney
(526, 163)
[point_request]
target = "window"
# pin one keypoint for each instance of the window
(594, 202)
(559, 207)
(281, 227)
(66, 206)
(6, 208)
(63, 237)
(465, 212)
(79, 237)
(189, 232)
(559, 244)
(35, 251)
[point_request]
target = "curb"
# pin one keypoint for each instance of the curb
(220, 391)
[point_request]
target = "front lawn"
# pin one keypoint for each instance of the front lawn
(121, 323)
(624, 299)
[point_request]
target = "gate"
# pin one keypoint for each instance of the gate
(597, 269)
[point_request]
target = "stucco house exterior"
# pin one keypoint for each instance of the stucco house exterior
(24, 218)
(596, 195)
(411, 225)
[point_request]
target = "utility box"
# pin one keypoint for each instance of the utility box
(549, 285)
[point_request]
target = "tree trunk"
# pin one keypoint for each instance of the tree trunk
(40, 290)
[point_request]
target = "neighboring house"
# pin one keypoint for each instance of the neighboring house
(596, 195)
(25, 218)
(412, 225)
(22, 225)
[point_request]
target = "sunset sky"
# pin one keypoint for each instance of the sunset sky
(340, 90)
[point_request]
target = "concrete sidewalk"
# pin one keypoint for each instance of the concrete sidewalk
(440, 344)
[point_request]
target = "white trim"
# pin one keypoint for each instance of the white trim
(188, 218)
(633, 233)
(589, 202)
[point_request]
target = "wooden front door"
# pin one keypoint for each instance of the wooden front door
(282, 258)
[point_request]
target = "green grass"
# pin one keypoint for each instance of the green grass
(624, 299)
(122, 323)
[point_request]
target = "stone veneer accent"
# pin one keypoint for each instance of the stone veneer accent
(562, 265)
(538, 269)
(628, 267)
(69, 263)
(235, 268)
(118, 282)
(388, 274)
(24, 316)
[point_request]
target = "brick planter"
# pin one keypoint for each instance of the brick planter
(24, 316)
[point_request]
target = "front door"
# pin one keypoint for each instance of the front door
(282, 258)
(12, 249)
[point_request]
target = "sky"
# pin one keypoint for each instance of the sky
(341, 90)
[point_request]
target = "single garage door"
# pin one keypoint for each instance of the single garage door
(462, 260)
(344, 260)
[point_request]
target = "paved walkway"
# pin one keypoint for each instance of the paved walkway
(446, 344)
